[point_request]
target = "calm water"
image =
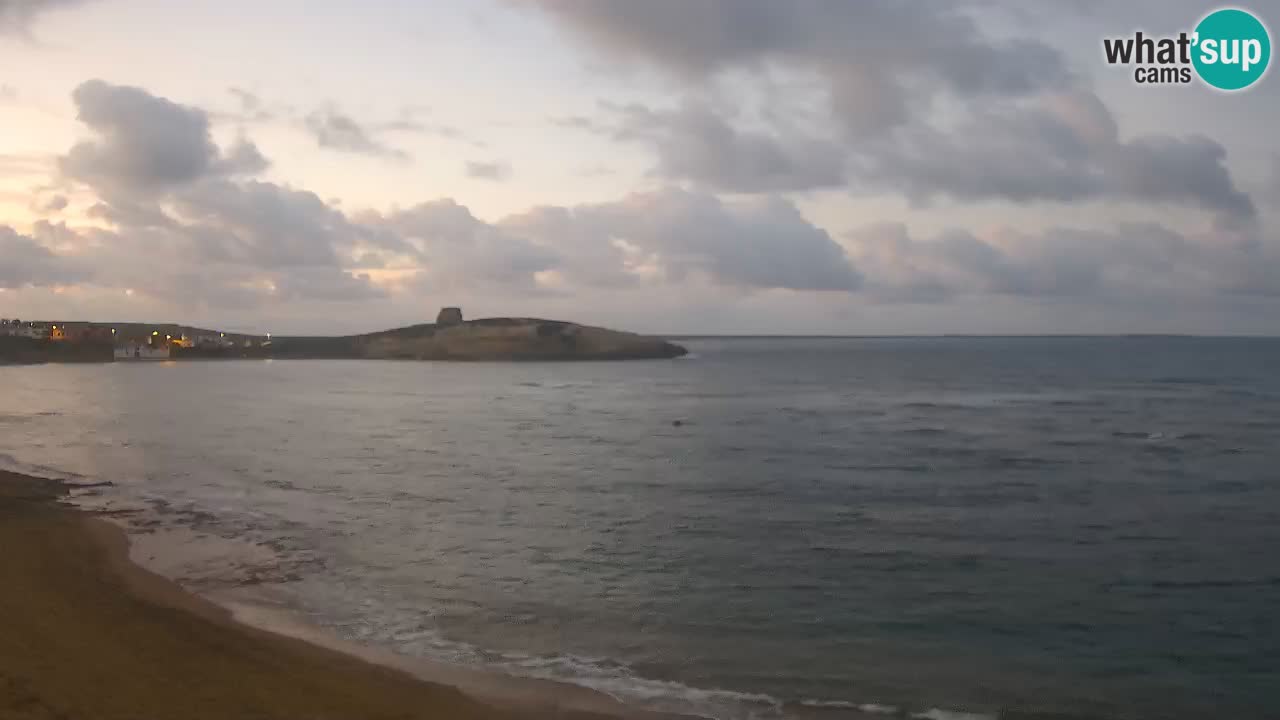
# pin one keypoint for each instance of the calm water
(1081, 526)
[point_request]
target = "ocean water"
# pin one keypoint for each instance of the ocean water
(932, 527)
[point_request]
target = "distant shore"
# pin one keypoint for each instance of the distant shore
(86, 634)
(484, 340)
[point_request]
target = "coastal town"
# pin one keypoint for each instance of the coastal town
(128, 341)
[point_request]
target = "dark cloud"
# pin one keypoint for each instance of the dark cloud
(146, 143)
(16, 16)
(327, 284)
(497, 171)
(876, 57)
(337, 131)
(1133, 261)
(916, 99)
(696, 143)
(1059, 148)
(29, 263)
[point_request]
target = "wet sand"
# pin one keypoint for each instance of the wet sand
(87, 634)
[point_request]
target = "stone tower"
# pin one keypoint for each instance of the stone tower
(449, 316)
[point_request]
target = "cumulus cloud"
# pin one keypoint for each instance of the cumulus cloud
(337, 131)
(459, 248)
(168, 193)
(146, 143)
(757, 243)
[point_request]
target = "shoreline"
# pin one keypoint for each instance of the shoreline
(87, 632)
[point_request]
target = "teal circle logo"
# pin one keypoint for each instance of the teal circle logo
(1232, 49)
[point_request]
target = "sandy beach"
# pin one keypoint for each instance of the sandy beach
(86, 634)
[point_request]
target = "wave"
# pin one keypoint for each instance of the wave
(939, 714)
(14, 465)
(865, 708)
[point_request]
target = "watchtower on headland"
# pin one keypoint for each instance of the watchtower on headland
(449, 316)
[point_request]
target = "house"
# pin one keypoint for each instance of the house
(141, 349)
(9, 328)
(85, 333)
(35, 331)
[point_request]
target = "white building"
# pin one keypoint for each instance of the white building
(35, 331)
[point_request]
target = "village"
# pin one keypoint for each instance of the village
(132, 341)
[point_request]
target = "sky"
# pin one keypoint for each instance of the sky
(665, 166)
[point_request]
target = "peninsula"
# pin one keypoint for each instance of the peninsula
(449, 338)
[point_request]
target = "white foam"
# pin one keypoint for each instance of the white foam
(867, 708)
(620, 683)
(939, 714)
(14, 465)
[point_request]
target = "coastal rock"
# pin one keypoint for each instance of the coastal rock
(514, 339)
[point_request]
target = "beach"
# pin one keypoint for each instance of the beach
(86, 634)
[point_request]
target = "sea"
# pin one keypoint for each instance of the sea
(942, 528)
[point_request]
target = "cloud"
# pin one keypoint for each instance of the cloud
(1061, 148)
(146, 143)
(1133, 261)
(876, 58)
(19, 165)
(252, 108)
(16, 16)
(881, 97)
(696, 143)
(8, 93)
(671, 235)
(336, 131)
(496, 171)
(213, 238)
(50, 205)
(458, 248)
(170, 195)
(29, 263)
